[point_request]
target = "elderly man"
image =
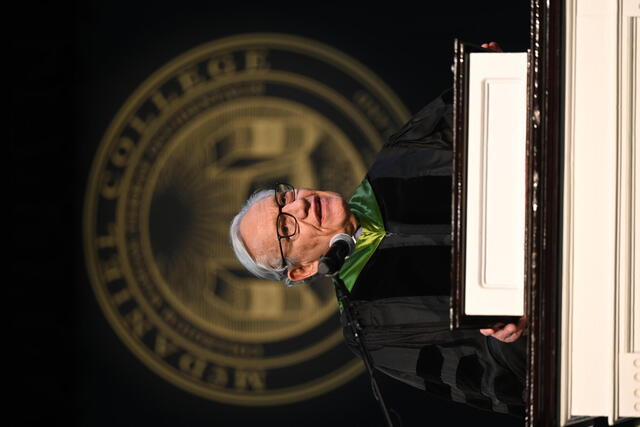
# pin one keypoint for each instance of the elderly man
(399, 273)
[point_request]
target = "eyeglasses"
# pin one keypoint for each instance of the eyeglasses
(286, 224)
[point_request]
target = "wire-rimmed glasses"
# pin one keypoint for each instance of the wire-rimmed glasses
(286, 224)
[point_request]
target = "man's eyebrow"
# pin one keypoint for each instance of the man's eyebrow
(295, 196)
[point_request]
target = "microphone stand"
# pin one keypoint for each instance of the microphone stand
(349, 310)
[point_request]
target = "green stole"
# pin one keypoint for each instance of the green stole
(364, 206)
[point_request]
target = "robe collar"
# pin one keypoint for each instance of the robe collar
(364, 206)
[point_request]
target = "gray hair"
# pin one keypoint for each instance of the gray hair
(262, 266)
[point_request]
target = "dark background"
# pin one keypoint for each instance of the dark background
(75, 65)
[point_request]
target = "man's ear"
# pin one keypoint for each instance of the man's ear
(301, 272)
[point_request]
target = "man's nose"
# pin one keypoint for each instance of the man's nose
(298, 208)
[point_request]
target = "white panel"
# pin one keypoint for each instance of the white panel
(635, 182)
(496, 177)
(594, 199)
(600, 373)
(503, 196)
(634, 138)
(634, 113)
(627, 308)
(566, 326)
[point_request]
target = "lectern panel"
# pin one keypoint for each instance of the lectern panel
(490, 186)
(496, 178)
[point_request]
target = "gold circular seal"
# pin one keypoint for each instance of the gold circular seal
(177, 162)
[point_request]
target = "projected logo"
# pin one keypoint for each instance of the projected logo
(177, 162)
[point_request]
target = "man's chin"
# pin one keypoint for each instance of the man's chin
(343, 218)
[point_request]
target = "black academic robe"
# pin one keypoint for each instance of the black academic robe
(402, 294)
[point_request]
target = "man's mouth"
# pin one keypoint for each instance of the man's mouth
(319, 210)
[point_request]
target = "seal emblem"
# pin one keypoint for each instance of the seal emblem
(177, 162)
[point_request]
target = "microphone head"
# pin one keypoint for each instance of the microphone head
(341, 246)
(349, 240)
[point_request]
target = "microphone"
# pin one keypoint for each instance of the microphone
(340, 247)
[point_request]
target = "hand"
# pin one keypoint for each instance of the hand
(508, 333)
(492, 46)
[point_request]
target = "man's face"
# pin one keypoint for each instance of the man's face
(320, 216)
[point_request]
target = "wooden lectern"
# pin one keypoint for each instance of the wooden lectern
(546, 211)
